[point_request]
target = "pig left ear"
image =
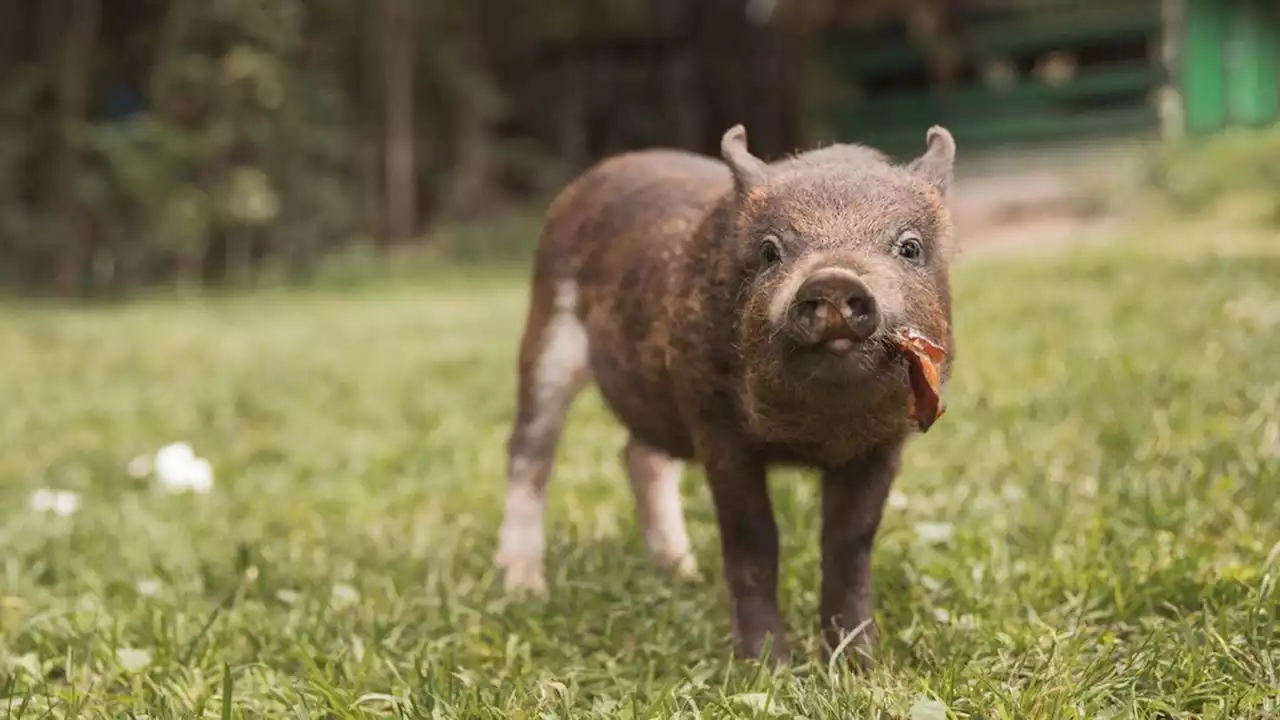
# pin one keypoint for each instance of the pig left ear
(749, 171)
(935, 166)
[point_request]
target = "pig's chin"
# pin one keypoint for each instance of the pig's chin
(838, 403)
(836, 364)
(812, 376)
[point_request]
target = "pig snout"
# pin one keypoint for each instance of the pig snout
(834, 307)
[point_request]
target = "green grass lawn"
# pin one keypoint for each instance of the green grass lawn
(1092, 531)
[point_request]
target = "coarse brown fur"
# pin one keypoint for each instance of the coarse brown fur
(653, 279)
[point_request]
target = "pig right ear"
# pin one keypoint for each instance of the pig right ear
(935, 165)
(749, 171)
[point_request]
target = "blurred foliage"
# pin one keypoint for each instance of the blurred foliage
(190, 142)
(231, 132)
(1234, 175)
(196, 143)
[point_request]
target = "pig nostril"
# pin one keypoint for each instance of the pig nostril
(859, 309)
(811, 310)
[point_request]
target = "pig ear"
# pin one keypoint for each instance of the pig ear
(935, 165)
(748, 170)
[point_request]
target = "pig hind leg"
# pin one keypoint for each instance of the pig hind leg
(554, 368)
(655, 480)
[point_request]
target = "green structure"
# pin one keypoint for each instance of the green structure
(1229, 64)
(1042, 70)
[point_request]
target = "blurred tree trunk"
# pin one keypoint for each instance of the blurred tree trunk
(780, 77)
(11, 22)
(479, 104)
(174, 28)
(675, 77)
(72, 94)
(369, 124)
(14, 15)
(750, 74)
(719, 26)
(165, 103)
(936, 27)
(401, 165)
(572, 142)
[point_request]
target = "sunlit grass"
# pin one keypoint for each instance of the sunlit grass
(1091, 531)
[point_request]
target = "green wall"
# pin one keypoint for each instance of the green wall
(1230, 64)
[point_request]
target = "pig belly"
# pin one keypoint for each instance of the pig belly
(643, 403)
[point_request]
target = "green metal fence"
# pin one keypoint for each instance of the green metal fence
(1230, 66)
(1107, 69)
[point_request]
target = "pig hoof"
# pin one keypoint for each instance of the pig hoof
(685, 567)
(522, 574)
(754, 651)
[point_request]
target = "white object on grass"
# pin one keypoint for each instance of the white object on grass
(928, 709)
(148, 587)
(58, 502)
(133, 659)
(934, 532)
(139, 467)
(898, 501)
(178, 468)
(344, 595)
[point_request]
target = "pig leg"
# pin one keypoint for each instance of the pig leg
(853, 500)
(553, 369)
(655, 480)
(749, 545)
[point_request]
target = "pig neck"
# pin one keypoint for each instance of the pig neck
(706, 367)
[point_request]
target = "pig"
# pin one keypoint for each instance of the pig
(738, 314)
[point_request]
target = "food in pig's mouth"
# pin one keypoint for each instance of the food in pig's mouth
(922, 356)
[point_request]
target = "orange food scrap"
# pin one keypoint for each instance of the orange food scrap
(923, 356)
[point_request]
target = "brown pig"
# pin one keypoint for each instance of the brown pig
(742, 315)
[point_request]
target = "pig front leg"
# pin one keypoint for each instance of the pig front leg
(853, 498)
(749, 545)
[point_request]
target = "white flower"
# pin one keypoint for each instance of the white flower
(934, 532)
(139, 467)
(760, 702)
(345, 595)
(1089, 485)
(67, 503)
(29, 662)
(200, 475)
(178, 468)
(132, 659)
(172, 460)
(148, 587)
(977, 572)
(926, 709)
(58, 502)
(1256, 307)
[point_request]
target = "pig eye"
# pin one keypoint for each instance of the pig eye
(770, 253)
(910, 247)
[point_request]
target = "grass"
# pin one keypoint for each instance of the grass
(1090, 532)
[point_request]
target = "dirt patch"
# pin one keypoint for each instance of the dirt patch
(1039, 198)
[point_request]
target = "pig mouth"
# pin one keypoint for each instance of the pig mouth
(841, 360)
(901, 357)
